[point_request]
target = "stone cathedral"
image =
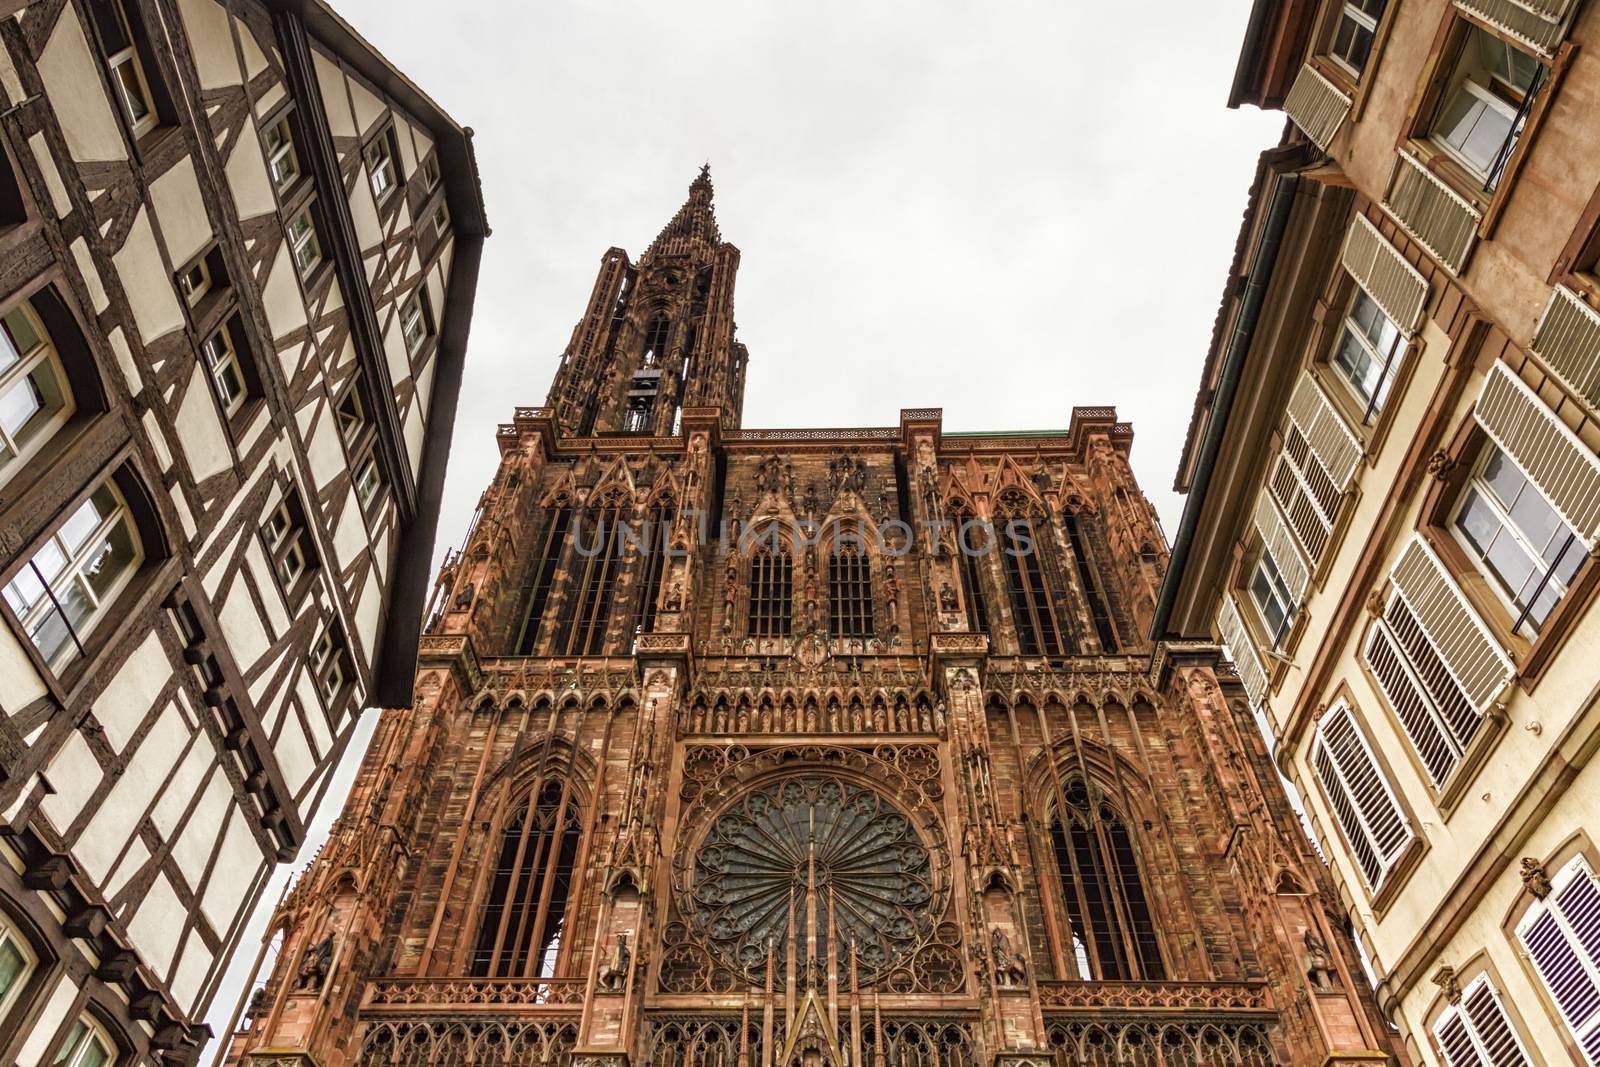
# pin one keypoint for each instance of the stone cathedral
(832, 747)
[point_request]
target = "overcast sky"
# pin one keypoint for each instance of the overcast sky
(1003, 209)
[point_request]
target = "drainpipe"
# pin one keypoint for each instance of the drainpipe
(1244, 328)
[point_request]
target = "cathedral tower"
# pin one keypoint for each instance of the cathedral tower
(749, 748)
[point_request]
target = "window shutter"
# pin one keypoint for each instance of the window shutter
(1472, 658)
(1316, 105)
(1331, 441)
(1379, 268)
(1432, 212)
(1541, 24)
(1567, 339)
(1406, 696)
(1243, 649)
(1285, 552)
(1566, 470)
(1562, 935)
(1362, 800)
(1311, 527)
(1475, 1032)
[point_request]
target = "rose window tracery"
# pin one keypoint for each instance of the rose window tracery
(830, 862)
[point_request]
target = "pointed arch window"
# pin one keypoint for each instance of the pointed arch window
(656, 540)
(520, 924)
(1112, 933)
(850, 591)
(972, 542)
(550, 546)
(596, 566)
(1032, 602)
(657, 332)
(771, 590)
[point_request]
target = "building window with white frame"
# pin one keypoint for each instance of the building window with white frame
(63, 592)
(225, 370)
(35, 397)
(368, 481)
(1514, 534)
(1475, 1031)
(87, 1045)
(1367, 353)
(130, 79)
(17, 961)
(288, 544)
(381, 168)
(1273, 600)
(1561, 934)
(305, 243)
(1375, 828)
(283, 157)
(329, 663)
(1355, 28)
(416, 320)
(1485, 104)
(195, 282)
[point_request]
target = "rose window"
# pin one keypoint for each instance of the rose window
(832, 863)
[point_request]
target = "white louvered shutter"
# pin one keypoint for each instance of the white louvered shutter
(1567, 339)
(1285, 551)
(1566, 470)
(1331, 441)
(1379, 268)
(1373, 823)
(1477, 1032)
(1538, 23)
(1316, 105)
(1467, 651)
(1562, 935)
(1237, 637)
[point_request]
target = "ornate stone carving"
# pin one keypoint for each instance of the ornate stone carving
(1445, 978)
(1534, 878)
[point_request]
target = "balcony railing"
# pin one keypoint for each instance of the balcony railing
(1154, 996)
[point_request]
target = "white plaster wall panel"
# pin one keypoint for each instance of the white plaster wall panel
(157, 925)
(323, 453)
(294, 754)
(246, 171)
(425, 387)
(447, 256)
(211, 42)
(103, 839)
(380, 553)
(414, 432)
(242, 628)
(23, 683)
(350, 537)
(187, 782)
(131, 863)
(255, 556)
(52, 177)
(346, 355)
(193, 848)
(193, 966)
(181, 211)
(394, 350)
(255, 53)
(369, 109)
(236, 867)
(310, 699)
(131, 693)
(286, 311)
(145, 281)
(369, 612)
(49, 1020)
(158, 440)
(125, 360)
(74, 772)
(335, 100)
(205, 443)
(414, 144)
(321, 736)
(9, 80)
(258, 425)
(262, 686)
(71, 77)
(90, 273)
(274, 94)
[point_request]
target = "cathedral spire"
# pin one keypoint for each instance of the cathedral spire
(695, 222)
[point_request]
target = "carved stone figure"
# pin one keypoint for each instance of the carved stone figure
(1010, 970)
(1319, 963)
(614, 972)
(315, 966)
(1534, 878)
(947, 598)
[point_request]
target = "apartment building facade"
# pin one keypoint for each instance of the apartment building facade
(1394, 495)
(238, 251)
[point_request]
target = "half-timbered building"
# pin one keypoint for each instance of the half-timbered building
(237, 257)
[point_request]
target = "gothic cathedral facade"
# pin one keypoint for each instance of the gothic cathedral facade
(755, 748)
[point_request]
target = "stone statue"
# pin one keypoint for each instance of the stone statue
(947, 598)
(314, 967)
(1009, 969)
(613, 974)
(1319, 963)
